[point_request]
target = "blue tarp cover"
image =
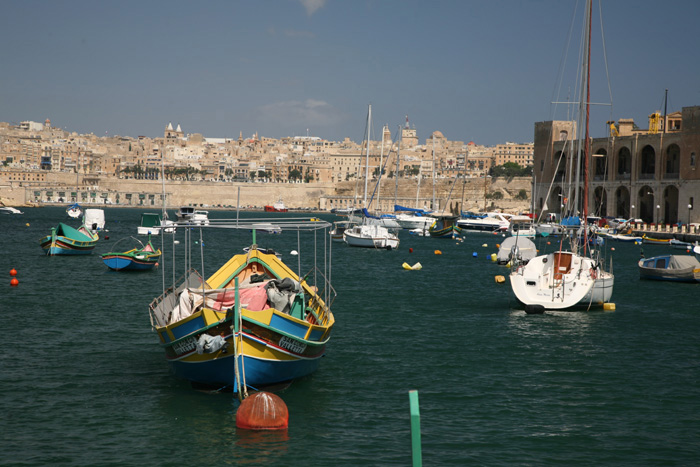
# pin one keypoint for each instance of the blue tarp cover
(571, 221)
(398, 208)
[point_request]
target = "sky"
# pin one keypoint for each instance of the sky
(482, 71)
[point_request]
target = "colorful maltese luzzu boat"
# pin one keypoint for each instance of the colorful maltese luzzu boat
(253, 323)
(65, 240)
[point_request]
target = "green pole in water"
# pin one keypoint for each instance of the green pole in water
(253, 236)
(415, 429)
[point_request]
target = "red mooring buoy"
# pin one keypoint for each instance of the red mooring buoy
(14, 282)
(410, 250)
(13, 272)
(262, 411)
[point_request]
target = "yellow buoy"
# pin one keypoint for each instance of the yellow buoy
(494, 257)
(609, 306)
(415, 267)
(500, 279)
(485, 245)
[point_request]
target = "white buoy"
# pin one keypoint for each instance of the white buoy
(294, 252)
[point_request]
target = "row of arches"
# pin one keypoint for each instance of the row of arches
(601, 169)
(645, 204)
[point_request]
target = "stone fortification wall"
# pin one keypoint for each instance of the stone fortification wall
(464, 194)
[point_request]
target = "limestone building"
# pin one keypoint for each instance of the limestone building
(650, 175)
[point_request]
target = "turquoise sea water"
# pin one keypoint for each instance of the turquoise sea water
(84, 382)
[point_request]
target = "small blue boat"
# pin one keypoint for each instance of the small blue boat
(677, 268)
(136, 259)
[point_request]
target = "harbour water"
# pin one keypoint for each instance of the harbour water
(84, 382)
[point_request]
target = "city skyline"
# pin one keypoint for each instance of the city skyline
(476, 71)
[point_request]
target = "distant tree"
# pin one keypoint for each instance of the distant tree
(415, 170)
(522, 195)
(294, 174)
(494, 195)
(510, 170)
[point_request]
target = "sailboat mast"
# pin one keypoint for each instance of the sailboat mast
(369, 123)
(381, 169)
(586, 144)
(433, 171)
(396, 174)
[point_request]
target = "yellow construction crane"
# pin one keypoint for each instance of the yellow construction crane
(613, 128)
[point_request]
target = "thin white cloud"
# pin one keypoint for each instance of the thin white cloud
(308, 113)
(312, 5)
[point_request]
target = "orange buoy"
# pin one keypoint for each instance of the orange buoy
(14, 282)
(438, 252)
(13, 272)
(262, 411)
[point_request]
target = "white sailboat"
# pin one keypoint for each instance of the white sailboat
(415, 219)
(370, 233)
(566, 280)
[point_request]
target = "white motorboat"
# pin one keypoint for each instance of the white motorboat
(371, 236)
(521, 226)
(190, 215)
(10, 210)
(411, 221)
(489, 222)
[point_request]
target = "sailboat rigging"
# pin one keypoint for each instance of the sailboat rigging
(567, 280)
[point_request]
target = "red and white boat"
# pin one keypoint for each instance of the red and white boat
(277, 207)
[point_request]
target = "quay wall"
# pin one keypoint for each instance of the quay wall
(449, 194)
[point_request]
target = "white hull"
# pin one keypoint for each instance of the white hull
(10, 210)
(370, 236)
(409, 222)
(156, 230)
(549, 229)
(493, 222)
(561, 281)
